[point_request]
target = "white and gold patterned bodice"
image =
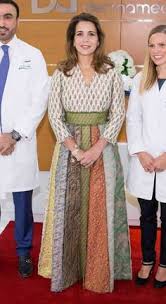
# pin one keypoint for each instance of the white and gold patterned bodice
(104, 92)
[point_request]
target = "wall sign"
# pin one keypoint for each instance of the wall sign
(53, 5)
(129, 8)
(140, 8)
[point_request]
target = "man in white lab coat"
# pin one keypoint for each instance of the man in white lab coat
(23, 101)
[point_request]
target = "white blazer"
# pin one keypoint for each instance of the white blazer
(146, 131)
(23, 106)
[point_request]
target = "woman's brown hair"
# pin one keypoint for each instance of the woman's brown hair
(101, 62)
(149, 73)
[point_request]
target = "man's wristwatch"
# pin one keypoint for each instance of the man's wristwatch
(15, 135)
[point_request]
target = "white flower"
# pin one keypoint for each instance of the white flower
(127, 81)
(125, 65)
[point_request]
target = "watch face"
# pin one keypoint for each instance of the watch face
(15, 135)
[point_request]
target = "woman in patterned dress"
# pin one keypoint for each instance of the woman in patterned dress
(85, 234)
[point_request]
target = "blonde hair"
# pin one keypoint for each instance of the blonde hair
(149, 72)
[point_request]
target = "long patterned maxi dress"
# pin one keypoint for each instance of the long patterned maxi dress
(85, 232)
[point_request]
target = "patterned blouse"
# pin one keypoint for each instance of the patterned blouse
(105, 92)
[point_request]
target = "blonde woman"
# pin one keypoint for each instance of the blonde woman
(85, 236)
(146, 132)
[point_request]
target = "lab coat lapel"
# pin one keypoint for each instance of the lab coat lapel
(12, 73)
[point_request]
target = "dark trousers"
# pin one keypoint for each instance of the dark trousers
(148, 223)
(23, 221)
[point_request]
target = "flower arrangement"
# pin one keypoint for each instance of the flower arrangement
(125, 65)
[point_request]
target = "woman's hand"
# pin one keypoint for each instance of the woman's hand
(92, 154)
(160, 163)
(79, 155)
(147, 161)
(86, 158)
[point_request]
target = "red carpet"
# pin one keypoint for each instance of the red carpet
(15, 290)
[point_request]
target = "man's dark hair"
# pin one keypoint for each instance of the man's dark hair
(12, 3)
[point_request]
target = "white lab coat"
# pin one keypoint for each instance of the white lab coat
(23, 106)
(146, 131)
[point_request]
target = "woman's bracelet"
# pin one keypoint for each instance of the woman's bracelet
(75, 151)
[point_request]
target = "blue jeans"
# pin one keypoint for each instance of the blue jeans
(148, 223)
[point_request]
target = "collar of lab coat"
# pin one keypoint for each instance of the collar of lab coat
(12, 44)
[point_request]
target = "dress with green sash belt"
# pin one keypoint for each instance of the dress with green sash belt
(86, 222)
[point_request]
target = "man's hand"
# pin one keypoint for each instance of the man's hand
(160, 163)
(147, 161)
(7, 144)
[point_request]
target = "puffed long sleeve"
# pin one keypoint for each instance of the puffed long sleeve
(134, 120)
(56, 110)
(116, 110)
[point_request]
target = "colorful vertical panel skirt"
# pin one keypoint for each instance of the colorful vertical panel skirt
(85, 232)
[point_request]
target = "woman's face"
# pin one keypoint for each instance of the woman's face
(157, 48)
(86, 38)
